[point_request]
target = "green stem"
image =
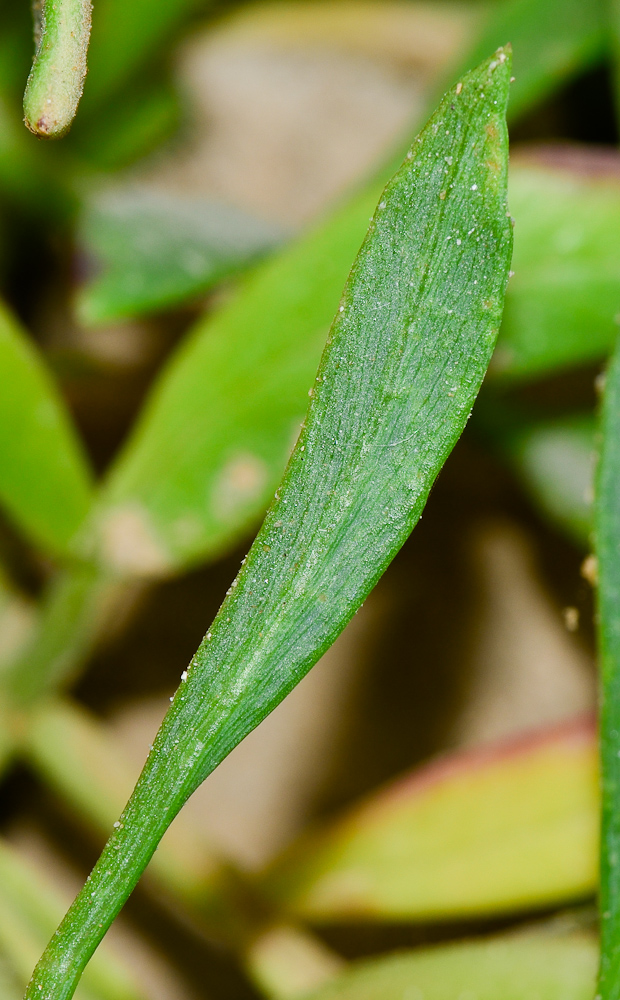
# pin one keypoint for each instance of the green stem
(608, 553)
(75, 613)
(56, 81)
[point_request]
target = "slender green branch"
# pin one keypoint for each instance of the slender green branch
(608, 552)
(56, 81)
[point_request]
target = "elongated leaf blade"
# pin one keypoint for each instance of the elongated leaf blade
(235, 393)
(150, 250)
(488, 831)
(45, 483)
(607, 531)
(564, 297)
(517, 967)
(29, 908)
(77, 755)
(404, 361)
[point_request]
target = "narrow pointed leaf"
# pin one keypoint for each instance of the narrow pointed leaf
(607, 532)
(29, 908)
(235, 392)
(516, 967)
(403, 363)
(484, 832)
(553, 40)
(44, 479)
(404, 360)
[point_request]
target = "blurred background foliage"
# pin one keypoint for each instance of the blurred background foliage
(168, 274)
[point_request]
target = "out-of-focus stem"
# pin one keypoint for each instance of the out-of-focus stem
(56, 81)
(608, 554)
(81, 604)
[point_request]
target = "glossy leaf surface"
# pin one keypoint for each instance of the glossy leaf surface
(38, 445)
(404, 361)
(607, 532)
(518, 967)
(485, 832)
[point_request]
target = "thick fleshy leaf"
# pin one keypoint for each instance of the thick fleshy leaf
(403, 363)
(491, 831)
(149, 250)
(563, 301)
(607, 533)
(517, 967)
(45, 483)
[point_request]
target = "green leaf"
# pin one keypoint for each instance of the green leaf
(235, 393)
(555, 460)
(29, 909)
(404, 361)
(78, 756)
(127, 34)
(151, 250)
(553, 40)
(483, 832)
(607, 533)
(565, 293)
(45, 483)
(515, 967)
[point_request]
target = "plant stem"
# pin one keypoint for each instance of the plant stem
(56, 81)
(608, 554)
(77, 609)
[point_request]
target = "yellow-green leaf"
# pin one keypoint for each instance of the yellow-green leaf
(490, 831)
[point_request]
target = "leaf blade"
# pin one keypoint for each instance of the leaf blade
(38, 445)
(513, 967)
(419, 315)
(487, 831)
